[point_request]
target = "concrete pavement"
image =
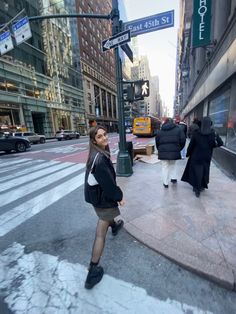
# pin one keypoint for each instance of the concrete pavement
(197, 233)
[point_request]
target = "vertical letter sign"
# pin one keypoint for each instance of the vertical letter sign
(201, 23)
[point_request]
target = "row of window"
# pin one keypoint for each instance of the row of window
(104, 103)
(86, 68)
(30, 91)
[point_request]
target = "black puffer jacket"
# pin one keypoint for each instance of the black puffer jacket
(106, 194)
(170, 140)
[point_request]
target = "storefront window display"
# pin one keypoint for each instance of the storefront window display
(218, 112)
(231, 128)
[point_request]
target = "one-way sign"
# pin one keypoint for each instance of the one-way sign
(118, 39)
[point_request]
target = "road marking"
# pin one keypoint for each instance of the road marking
(46, 284)
(12, 162)
(68, 156)
(63, 149)
(27, 170)
(23, 212)
(22, 191)
(33, 176)
(14, 166)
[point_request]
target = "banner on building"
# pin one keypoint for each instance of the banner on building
(201, 23)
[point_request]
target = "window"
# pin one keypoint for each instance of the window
(218, 112)
(104, 107)
(114, 106)
(109, 104)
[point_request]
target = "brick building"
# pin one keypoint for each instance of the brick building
(98, 68)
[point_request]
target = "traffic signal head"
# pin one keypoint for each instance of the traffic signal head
(128, 92)
(141, 89)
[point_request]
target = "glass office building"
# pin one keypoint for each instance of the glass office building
(40, 79)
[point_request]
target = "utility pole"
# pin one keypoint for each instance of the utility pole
(124, 166)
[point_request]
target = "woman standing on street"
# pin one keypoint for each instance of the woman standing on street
(104, 195)
(199, 151)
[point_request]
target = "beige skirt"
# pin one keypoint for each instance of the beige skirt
(107, 214)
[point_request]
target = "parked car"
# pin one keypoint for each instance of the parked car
(32, 137)
(9, 143)
(66, 135)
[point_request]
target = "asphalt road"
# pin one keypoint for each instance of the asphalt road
(57, 228)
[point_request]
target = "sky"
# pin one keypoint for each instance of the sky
(159, 46)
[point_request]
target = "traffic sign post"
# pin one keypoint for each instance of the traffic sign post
(21, 30)
(124, 164)
(115, 41)
(6, 43)
(150, 23)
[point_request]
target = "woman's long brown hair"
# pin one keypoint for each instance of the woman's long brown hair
(93, 147)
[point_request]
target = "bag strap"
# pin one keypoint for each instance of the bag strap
(93, 162)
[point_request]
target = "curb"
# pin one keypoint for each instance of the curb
(214, 272)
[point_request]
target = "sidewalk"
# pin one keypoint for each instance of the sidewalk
(197, 233)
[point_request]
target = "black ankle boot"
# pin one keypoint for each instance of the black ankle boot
(94, 276)
(116, 227)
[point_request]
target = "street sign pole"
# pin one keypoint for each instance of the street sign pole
(123, 166)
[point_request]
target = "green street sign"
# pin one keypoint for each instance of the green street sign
(201, 23)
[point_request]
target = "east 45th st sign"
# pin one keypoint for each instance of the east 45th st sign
(151, 23)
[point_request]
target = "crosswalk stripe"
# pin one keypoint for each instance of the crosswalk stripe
(23, 212)
(15, 166)
(43, 164)
(11, 196)
(12, 162)
(40, 173)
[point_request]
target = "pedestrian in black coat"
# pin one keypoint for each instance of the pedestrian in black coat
(199, 151)
(194, 127)
(102, 192)
(170, 140)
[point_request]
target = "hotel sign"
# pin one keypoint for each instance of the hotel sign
(201, 23)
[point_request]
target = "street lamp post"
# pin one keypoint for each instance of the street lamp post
(124, 166)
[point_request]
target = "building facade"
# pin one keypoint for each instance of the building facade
(39, 86)
(155, 98)
(207, 75)
(98, 67)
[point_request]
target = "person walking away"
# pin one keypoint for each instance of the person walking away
(104, 195)
(193, 127)
(170, 140)
(199, 151)
(184, 128)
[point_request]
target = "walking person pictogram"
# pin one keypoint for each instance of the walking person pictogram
(145, 89)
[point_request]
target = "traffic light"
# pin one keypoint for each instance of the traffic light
(141, 89)
(128, 92)
(135, 90)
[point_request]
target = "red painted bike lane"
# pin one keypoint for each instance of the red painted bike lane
(78, 153)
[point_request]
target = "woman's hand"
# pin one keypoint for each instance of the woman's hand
(121, 203)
